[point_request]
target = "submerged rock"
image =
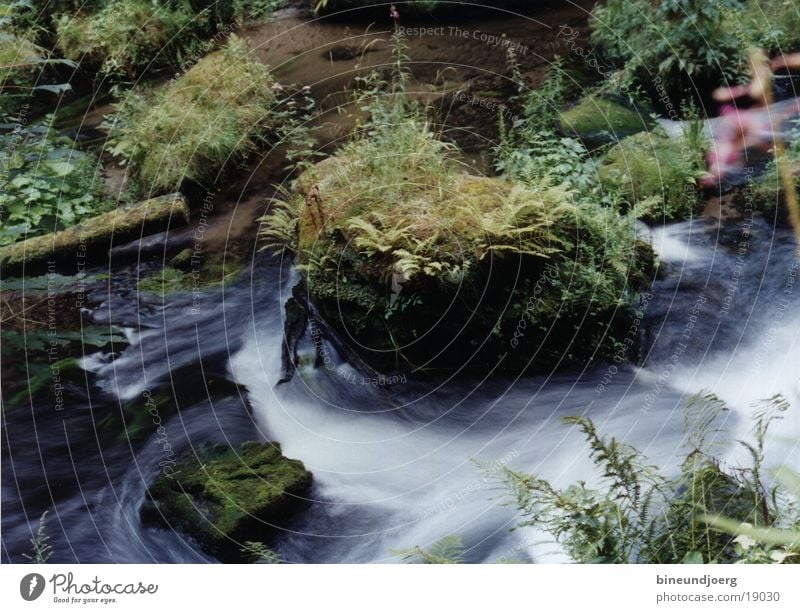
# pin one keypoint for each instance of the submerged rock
(224, 496)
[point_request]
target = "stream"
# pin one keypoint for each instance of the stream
(398, 464)
(401, 465)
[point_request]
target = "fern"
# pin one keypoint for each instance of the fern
(41, 549)
(447, 550)
(705, 514)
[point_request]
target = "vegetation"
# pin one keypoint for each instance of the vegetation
(396, 207)
(639, 515)
(685, 47)
(170, 279)
(208, 120)
(42, 551)
(46, 183)
(655, 175)
(95, 234)
(126, 36)
(708, 513)
(684, 43)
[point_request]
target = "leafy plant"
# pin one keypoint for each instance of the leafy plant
(684, 43)
(258, 553)
(639, 515)
(46, 183)
(126, 36)
(447, 550)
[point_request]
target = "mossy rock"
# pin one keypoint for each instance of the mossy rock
(89, 241)
(176, 134)
(597, 120)
(225, 496)
(186, 275)
(424, 268)
(656, 174)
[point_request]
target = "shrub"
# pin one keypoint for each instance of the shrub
(770, 25)
(47, 183)
(26, 70)
(638, 515)
(208, 120)
(655, 175)
(684, 43)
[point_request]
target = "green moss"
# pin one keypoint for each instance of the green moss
(207, 121)
(207, 274)
(93, 236)
(655, 174)
(223, 496)
(599, 119)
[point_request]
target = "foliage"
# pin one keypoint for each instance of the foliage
(27, 73)
(638, 515)
(208, 120)
(258, 553)
(41, 549)
(397, 206)
(447, 550)
(766, 24)
(126, 36)
(170, 280)
(46, 183)
(684, 43)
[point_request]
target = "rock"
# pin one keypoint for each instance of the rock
(441, 271)
(224, 496)
(656, 173)
(89, 242)
(597, 120)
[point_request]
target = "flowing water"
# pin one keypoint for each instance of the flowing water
(395, 465)
(401, 465)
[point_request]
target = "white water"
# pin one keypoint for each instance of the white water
(391, 477)
(393, 468)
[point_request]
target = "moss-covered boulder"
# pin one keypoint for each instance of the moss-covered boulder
(597, 120)
(656, 174)
(422, 266)
(89, 241)
(200, 126)
(224, 496)
(126, 36)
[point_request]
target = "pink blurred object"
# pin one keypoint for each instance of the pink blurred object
(737, 130)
